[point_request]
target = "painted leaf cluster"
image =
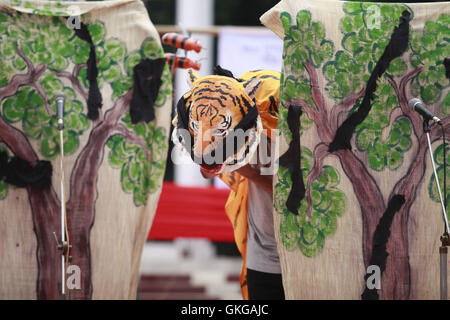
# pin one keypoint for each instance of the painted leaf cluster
(328, 202)
(366, 30)
(385, 149)
(439, 159)
(29, 108)
(429, 48)
(140, 170)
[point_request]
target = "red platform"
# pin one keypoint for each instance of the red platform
(191, 212)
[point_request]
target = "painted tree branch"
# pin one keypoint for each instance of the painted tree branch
(131, 137)
(35, 83)
(20, 80)
(83, 193)
(28, 62)
(325, 133)
(44, 97)
(17, 142)
(340, 111)
(73, 78)
(401, 92)
(316, 94)
(320, 152)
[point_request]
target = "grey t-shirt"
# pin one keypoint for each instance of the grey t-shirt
(262, 253)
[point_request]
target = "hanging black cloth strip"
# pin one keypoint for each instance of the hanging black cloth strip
(395, 48)
(94, 97)
(447, 67)
(19, 173)
(380, 238)
(291, 160)
(147, 81)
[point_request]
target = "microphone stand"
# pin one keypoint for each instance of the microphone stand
(445, 239)
(63, 246)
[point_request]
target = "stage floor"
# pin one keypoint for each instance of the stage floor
(187, 269)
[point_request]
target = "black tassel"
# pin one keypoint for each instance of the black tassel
(20, 173)
(380, 239)
(147, 81)
(447, 67)
(94, 97)
(291, 160)
(219, 71)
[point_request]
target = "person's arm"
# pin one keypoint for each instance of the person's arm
(263, 181)
(253, 174)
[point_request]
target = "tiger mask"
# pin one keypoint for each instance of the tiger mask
(217, 122)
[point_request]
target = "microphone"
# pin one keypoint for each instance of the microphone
(60, 99)
(417, 106)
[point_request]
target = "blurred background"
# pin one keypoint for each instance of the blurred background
(190, 252)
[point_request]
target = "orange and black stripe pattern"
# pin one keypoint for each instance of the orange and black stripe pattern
(182, 42)
(181, 62)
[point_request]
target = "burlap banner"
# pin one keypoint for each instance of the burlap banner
(359, 194)
(107, 62)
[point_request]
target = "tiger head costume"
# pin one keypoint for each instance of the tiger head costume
(217, 122)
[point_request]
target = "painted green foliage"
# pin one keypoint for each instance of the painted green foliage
(364, 40)
(139, 174)
(439, 159)
(305, 41)
(429, 49)
(346, 71)
(308, 232)
(32, 110)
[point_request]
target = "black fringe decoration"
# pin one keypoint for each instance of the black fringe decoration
(147, 81)
(94, 97)
(292, 160)
(20, 173)
(380, 238)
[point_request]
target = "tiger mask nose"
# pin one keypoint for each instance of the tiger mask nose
(203, 142)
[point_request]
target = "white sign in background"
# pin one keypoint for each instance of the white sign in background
(240, 50)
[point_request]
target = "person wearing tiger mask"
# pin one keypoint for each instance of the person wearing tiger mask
(224, 123)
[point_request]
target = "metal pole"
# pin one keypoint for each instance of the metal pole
(193, 14)
(445, 237)
(63, 222)
(444, 211)
(443, 271)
